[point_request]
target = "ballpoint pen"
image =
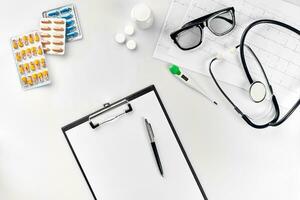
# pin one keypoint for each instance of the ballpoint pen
(152, 141)
(187, 80)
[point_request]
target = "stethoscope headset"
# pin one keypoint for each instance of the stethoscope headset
(257, 89)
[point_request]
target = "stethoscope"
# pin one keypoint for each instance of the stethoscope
(257, 89)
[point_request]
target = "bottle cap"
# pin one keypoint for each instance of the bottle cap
(142, 15)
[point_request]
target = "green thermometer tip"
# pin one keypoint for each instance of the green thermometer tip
(174, 69)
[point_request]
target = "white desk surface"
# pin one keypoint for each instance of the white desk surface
(232, 160)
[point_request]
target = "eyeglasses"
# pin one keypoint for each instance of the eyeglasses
(190, 35)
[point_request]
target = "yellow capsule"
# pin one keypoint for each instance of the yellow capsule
(26, 67)
(23, 54)
(20, 43)
(24, 80)
(29, 80)
(21, 69)
(45, 74)
(18, 57)
(36, 37)
(43, 62)
(30, 38)
(40, 76)
(37, 63)
(25, 39)
(33, 51)
(32, 66)
(40, 51)
(34, 78)
(28, 52)
(15, 44)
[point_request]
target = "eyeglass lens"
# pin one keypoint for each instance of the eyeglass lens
(189, 38)
(221, 23)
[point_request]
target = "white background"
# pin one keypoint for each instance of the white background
(232, 160)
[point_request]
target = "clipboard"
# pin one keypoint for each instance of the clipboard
(119, 164)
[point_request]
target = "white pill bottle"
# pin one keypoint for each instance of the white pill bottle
(142, 15)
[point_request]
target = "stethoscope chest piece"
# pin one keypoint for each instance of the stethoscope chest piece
(257, 91)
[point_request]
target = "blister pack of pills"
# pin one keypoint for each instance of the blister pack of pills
(53, 32)
(69, 13)
(30, 60)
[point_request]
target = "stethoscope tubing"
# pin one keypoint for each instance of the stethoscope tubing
(275, 121)
(245, 33)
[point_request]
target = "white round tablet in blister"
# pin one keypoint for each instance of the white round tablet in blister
(129, 29)
(131, 44)
(120, 38)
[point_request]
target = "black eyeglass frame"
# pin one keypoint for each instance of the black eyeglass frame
(201, 23)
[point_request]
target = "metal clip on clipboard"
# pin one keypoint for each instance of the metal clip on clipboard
(109, 107)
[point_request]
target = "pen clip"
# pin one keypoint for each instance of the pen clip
(149, 130)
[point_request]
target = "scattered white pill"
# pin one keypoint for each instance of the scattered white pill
(120, 38)
(131, 44)
(129, 29)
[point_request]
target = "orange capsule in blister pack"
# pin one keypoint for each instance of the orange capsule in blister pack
(59, 36)
(29, 80)
(34, 51)
(45, 74)
(58, 21)
(15, 44)
(43, 62)
(58, 50)
(21, 69)
(37, 63)
(45, 35)
(18, 57)
(46, 21)
(20, 43)
(32, 66)
(23, 54)
(40, 76)
(36, 37)
(24, 80)
(45, 28)
(25, 39)
(26, 67)
(58, 29)
(40, 50)
(59, 43)
(45, 43)
(34, 78)
(28, 52)
(31, 39)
